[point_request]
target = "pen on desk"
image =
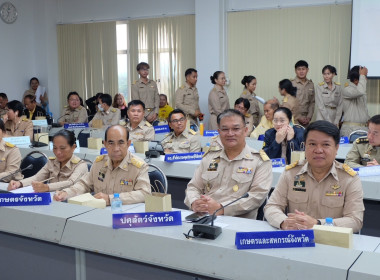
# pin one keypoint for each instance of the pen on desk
(44, 181)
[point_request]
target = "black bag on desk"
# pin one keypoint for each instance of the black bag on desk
(82, 137)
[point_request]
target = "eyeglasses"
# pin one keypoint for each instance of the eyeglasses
(279, 121)
(234, 130)
(177, 121)
(72, 100)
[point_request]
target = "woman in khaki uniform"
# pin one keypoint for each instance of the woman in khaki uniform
(328, 96)
(217, 99)
(17, 124)
(10, 158)
(289, 92)
(250, 83)
(63, 170)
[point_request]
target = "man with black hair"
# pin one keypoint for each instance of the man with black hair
(305, 93)
(355, 102)
(243, 105)
(228, 173)
(365, 150)
(180, 140)
(108, 114)
(138, 128)
(318, 187)
(32, 110)
(117, 172)
(146, 90)
(3, 106)
(187, 97)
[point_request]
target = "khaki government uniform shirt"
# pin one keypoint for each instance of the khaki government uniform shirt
(339, 196)
(361, 153)
(111, 117)
(10, 160)
(187, 99)
(329, 102)
(254, 108)
(144, 131)
(305, 97)
(24, 127)
(217, 103)
(355, 107)
(292, 104)
(147, 93)
(187, 142)
(64, 177)
(226, 180)
(78, 115)
(130, 179)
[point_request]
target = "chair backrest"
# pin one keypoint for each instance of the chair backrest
(89, 163)
(157, 178)
(260, 211)
(37, 158)
(356, 134)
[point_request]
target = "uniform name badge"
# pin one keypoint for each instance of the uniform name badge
(299, 183)
(213, 165)
(101, 176)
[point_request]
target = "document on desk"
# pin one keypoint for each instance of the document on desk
(27, 189)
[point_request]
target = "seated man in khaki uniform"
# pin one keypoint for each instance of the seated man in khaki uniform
(73, 112)
(181, 139)
(317, 187)
(227, 174)
(139, 129)
(118, 172)
(106, 113)
(365, 151)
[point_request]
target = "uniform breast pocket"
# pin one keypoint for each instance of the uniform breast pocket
(242, 178)
(3, 166)
(184, 145)
(151, 89)
(333, 202)
(297, 200)
(210, 179)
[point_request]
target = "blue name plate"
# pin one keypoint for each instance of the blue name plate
(103, 151)
(367, 171)
(75, 125)
(146, 219)
(344, 140)
(183, 157)
(161, 129)
(274, 239)
(278, 162)
(24, 199)
(210, 133)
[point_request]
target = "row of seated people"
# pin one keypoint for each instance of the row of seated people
(224, 174)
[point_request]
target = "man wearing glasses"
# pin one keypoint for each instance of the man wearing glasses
(229, 173)
(180, 140)
(139, 129)
(117, 172)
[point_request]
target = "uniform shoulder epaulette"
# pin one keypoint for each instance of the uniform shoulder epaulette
(362, 140)
(349, 170)
(321, 83)
(26, 120)
(75, 160)
(182, 87)
(148, 124)
(214, 137)
(248, 115)
(290, 166)
(99, 158)
(264, 155)
(338, 84)
(52, 158)
(113, 110)
(10, 145)
(80, 107)
(245, 92)
(66, 106)
(192, 131)
(346, 84)
(134, 82)
(136, 162)
(310, 80)
(291, 80)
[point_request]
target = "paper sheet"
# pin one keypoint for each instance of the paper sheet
(27, 189)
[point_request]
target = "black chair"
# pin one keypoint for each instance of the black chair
(89, 163)
(157, 178)
(356, 134)
(36, 158)
(260, 211)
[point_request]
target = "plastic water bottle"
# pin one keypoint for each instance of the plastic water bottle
(201, 128)
(132, 148)
(329, 222)
(116, 204)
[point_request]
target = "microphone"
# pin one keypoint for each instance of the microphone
(37, 143)
(153, 153)
(211, 231)
(30, 166)
(57, 123)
